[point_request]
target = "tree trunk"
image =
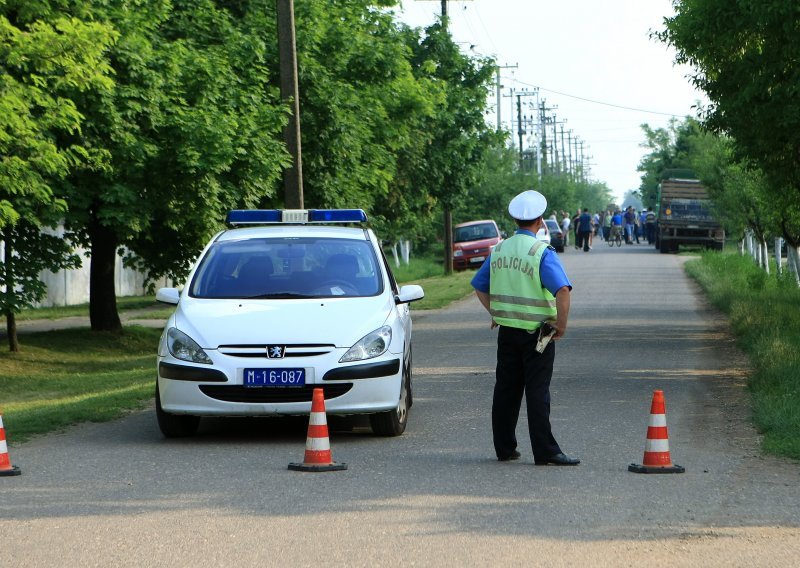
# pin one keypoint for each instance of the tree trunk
(8, 263)
(778, 260)
(102, 291)
(11, 332)
(405, 250)
(793, 253)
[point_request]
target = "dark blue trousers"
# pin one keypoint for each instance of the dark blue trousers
(522, 371)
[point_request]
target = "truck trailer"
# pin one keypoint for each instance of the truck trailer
(685, 217)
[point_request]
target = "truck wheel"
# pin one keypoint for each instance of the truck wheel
(665, 246)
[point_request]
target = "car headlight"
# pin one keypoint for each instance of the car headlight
(185, 348)
(369, 346)
(458, 252)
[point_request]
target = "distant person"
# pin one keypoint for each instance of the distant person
(650, 226)
(574, 224)
(524, 287)
(616, 225)
(565, 221)
(607, 225)
(585, 230)
(629, 219)
(642, 222)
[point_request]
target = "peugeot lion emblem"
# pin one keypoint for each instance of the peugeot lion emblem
(276, 351)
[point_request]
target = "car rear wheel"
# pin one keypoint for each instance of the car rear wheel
(175, 425)
(393, 422)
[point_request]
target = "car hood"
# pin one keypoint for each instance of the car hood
(483, 243)
(337, 321)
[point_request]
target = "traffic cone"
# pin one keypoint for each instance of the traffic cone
(318, 447)
(6, 469)
(656, 449)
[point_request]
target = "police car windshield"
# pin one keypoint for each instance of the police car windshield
(287, 268)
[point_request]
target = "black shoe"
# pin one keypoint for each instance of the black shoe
(512, 456)
(559, 459)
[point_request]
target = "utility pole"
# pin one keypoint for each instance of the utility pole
(570, 166)
(544, 120)
(499, 89)
(290, 94)
(521, 124)
(555, 144)
(563, 155)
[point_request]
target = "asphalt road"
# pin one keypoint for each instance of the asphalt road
(119, 494)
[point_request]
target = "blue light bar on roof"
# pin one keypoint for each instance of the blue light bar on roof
(337, 216)
(253, 216)
(294, 216)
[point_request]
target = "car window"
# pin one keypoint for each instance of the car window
(475, 232)
(287, 268)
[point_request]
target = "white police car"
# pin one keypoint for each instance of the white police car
(283, 302)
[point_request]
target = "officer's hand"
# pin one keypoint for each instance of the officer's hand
(560, 331)
(494, 325)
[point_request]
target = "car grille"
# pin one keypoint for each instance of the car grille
(236, 393)
(299, 350)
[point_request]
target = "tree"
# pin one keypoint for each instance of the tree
(744, 55)
(190, 130)
(39, 63)
(460, 139)
(669, 149)
(738, 189)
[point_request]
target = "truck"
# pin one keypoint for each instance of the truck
(685, 216)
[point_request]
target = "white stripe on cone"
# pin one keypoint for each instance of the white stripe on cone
(317, 419)
(656, 446)
(658, 420)
(3, 447)
(318, 444)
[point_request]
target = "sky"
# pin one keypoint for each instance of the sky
(593, 60)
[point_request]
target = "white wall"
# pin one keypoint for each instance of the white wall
(70, 287)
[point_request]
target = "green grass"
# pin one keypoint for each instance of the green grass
(124, 303)
(764, 312)
(440, 290)
(65, 377)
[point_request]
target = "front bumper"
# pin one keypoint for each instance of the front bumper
(349, 389)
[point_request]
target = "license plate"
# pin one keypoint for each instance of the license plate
(477, 259)
(274, 377)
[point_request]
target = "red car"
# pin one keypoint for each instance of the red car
(473, 242)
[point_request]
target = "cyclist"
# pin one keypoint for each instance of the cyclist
(616, 225)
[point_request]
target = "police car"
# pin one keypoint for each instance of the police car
(283, 302)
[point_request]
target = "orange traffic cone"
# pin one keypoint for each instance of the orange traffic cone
(318, 447)
(6, 468)
(656, 449)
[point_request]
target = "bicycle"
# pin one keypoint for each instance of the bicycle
(615, 237)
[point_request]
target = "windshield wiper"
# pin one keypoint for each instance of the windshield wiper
(281, 295)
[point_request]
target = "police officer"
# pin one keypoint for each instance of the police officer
(522, 284)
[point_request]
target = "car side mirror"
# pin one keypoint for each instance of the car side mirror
(168, 295)
(504, 234)
(409, 293)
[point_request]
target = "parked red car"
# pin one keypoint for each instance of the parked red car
(473, 242)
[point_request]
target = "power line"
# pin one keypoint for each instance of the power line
(601, 102)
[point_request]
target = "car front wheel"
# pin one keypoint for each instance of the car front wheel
(393, 422)
(175, 425)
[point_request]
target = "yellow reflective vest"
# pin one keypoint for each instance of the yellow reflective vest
(516, 295)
